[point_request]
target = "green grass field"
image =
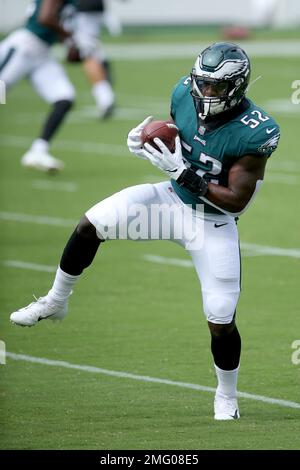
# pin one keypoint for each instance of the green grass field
(128, 314)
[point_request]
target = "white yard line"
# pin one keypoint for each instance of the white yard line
(121, 113)
(291, 180)
(143, 378)
(271, 250)
(70, 145)
(282, 106)
(60, 222)
(186, 50)
(248, 250)
(37, 219)
(282, 178)
(54, 185)
(84, 112)
(150, 51)
(183, 263)
(30, 266)
(286, 166)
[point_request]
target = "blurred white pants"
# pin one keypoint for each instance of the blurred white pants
(24, 55)
(86, 34)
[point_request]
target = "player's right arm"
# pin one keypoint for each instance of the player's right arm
(243, 178)
(49, 17)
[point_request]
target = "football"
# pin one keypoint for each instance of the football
(73, 54)
(164, 130)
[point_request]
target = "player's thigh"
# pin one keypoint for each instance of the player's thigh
(52, 83)
(132, 213)
(88, 23)
(14, 63)
(219, 269)
(87, 34)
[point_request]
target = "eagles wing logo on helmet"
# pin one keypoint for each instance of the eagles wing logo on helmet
(230, 68)
(227, 69)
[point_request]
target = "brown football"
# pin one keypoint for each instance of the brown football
(163, 131)
(73, 55)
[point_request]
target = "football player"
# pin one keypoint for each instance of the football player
(25, 53)
(218, 165)
(87, 28)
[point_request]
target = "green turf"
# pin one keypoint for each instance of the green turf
(130, 315)
(197, 32)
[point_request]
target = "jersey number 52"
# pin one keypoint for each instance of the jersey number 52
(250, 121)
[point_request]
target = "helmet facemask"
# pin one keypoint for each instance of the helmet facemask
(209, 96)
(215, 96)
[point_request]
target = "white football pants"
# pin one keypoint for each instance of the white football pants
(86, 34)
(24, 55)
(155, 212)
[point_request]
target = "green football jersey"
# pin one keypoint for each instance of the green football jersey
(43, 32)
(211, 153)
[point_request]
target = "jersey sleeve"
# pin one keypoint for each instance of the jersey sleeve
(177, 94)
(262, 142)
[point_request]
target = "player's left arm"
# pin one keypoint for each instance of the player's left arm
(242, 182)
(49, 17)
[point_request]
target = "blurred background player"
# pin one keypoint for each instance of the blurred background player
(262, 14)
(25, 53)
(91, 15)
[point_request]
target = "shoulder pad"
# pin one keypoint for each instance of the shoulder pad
(265, 140)
(180, 90)
(260, 133)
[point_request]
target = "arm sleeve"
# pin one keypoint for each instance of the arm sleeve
(177, 94)
(263, 142)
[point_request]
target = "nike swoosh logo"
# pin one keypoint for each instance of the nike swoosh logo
(44, 318)
(220, 225)
(268, 131)
(235, 416)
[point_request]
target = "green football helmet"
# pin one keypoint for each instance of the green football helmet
(219, 78)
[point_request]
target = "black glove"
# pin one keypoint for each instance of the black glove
(193, 182)
(73, 53)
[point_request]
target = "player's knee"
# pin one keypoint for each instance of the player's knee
(219, 330)
(65, 105)
(70, 103)
(86, 229)
(220, 308)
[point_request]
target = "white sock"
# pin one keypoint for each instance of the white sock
(40, 145)
(62, 286)
(103, 94)
(227, 381)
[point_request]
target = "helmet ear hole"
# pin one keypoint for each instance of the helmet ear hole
(239, 81)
